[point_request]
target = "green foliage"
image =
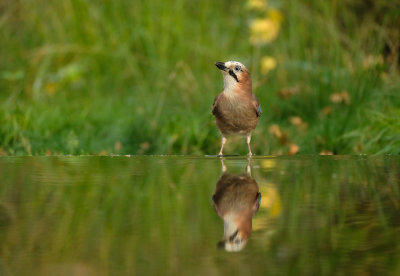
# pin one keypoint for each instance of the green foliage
(123, 77)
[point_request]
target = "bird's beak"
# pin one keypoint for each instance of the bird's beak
(221, 65)
(221, 245)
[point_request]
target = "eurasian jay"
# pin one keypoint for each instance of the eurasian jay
(236, 108)
(236, 200)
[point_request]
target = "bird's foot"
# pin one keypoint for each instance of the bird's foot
(223, 165)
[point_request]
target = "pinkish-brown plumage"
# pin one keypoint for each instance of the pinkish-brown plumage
(236, 200)
(236, 108)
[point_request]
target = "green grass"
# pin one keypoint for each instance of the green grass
(123, 77)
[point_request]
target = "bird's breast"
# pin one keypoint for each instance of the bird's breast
(235, 114)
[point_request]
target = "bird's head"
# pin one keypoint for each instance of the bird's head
(237, 227)
(236, 200)
(234, 245)
(235, 75)
(235, 236)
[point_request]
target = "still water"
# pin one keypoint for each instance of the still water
(310, 215)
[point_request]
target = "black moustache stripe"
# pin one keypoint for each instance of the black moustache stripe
(233, 236)
(233, 75)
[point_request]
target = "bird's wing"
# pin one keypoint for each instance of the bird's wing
(214, 107)
(257, 106)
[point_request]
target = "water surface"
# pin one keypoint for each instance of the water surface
(157, 215)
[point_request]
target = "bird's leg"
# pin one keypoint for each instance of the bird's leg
(223, 166)
(248, 139)
(248, 167)
(222, 145)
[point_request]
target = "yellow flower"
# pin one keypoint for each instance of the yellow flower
(267, 64)
(275, 15)
(257, 4)
(263, 31)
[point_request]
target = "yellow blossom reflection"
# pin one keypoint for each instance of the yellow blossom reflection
(271, 204)
(268, 164)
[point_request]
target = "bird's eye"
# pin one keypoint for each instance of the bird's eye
(237, 68)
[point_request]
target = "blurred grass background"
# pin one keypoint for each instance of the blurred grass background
(138, 77)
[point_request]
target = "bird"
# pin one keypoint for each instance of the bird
(236, 200)
(236, 108)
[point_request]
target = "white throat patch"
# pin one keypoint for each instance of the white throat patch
(229, 83)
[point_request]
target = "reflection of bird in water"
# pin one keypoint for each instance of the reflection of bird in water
(236, 108)
(236, 200)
